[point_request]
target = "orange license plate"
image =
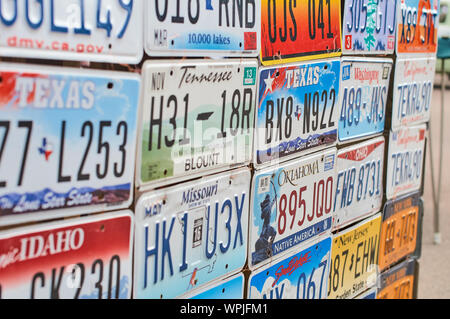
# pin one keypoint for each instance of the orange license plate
(400, 282)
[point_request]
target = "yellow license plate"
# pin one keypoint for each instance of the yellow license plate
(399, 282)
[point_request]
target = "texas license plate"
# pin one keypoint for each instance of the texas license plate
(400, 282)
(299, 30)
(297, 110)
(354, 259)
(95, 30)
(359, 182)
(369, 26)
(363, 97)
(290, 204)
(302, 275)
(197, 118)
(230, 288)
(190, 234)
(83, 258)
(67, 140)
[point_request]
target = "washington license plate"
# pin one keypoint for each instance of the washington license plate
(190, 234)
(230, 288)
(67, 140)
(400, 282)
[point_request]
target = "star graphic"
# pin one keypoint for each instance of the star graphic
(268, 82)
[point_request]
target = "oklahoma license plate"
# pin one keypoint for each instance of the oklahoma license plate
(363, 97)
(297, 110)
(291, 204)
(95, 30)
(190, 234)
(67, 140)
(299, 30)
(400, 282)
(302, 275)
(359, 182)
(82, 258)
(230, 288)
(197, 118)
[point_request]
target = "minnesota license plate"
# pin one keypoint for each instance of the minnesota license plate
(290, 204)
(354, 259)
(359, 182)
(190, 234)
(363, 97)
(297, 110)
(230, 288)
(67, 140)
(197, 118)
(83, 258)
(95, 30)
(299, 30)
(302, 275)
(400, 282)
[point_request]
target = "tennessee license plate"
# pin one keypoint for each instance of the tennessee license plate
(230, 288)
(302, 275)
(82, 258)
(199, 28)
(67, 140)
(95, 30)
(190, 234)
(299, 30)
(359, 182)
(290, 204)
(197, 118)
(297, 110)
(400, 282)
(369, 26)
(354, 259)
(405, 160)
(363, 97)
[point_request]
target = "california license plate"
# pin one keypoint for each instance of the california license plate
(363, 97)
(229, 288)
(67, 141)
(400, 282)
(301, 275)
(83, 258)
(190, 234)
(299, 30)
(297, 110)
(359, 182)
(94, 30)
(197, 118)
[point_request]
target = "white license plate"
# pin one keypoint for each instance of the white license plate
(229, 288)
(359, 181)
(86, 30)
(190, 234)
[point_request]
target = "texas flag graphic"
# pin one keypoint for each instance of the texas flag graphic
(46, 149)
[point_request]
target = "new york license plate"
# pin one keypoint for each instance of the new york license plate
(400, 282)
(83, 258)
(297, 110)
(67, 140)
(197, 117)
(190, 234)
(95, 30)
(230, 288)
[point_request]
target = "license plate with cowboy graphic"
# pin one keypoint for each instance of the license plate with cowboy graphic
(228, 288)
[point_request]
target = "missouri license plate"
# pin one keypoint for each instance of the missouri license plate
(94, 30)
(400, 282)
(190, 234)
(82, 258)
(67, 140)
(229, 288)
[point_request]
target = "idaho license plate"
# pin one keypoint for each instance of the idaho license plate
(230, 288)
(190, 234)
(297, 110)
(197, 118)
(400, 282)
(95, 30)
(83, 258)
(290, 204)
(302, 275)
(67, 140)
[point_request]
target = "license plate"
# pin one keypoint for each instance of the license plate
(354, 259)
(190, 234)
(96, 30)
(363, 97)
(290, 204)
(359, 182)
(369, 26)
(302, 275)
(230, 288)
(83, 258)
(401, 230)
(400, 282)
(299, 30)
(197, 118)
(369, 294)
(405, 160)
(67, 141)
(199, 28)
(297, 110)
